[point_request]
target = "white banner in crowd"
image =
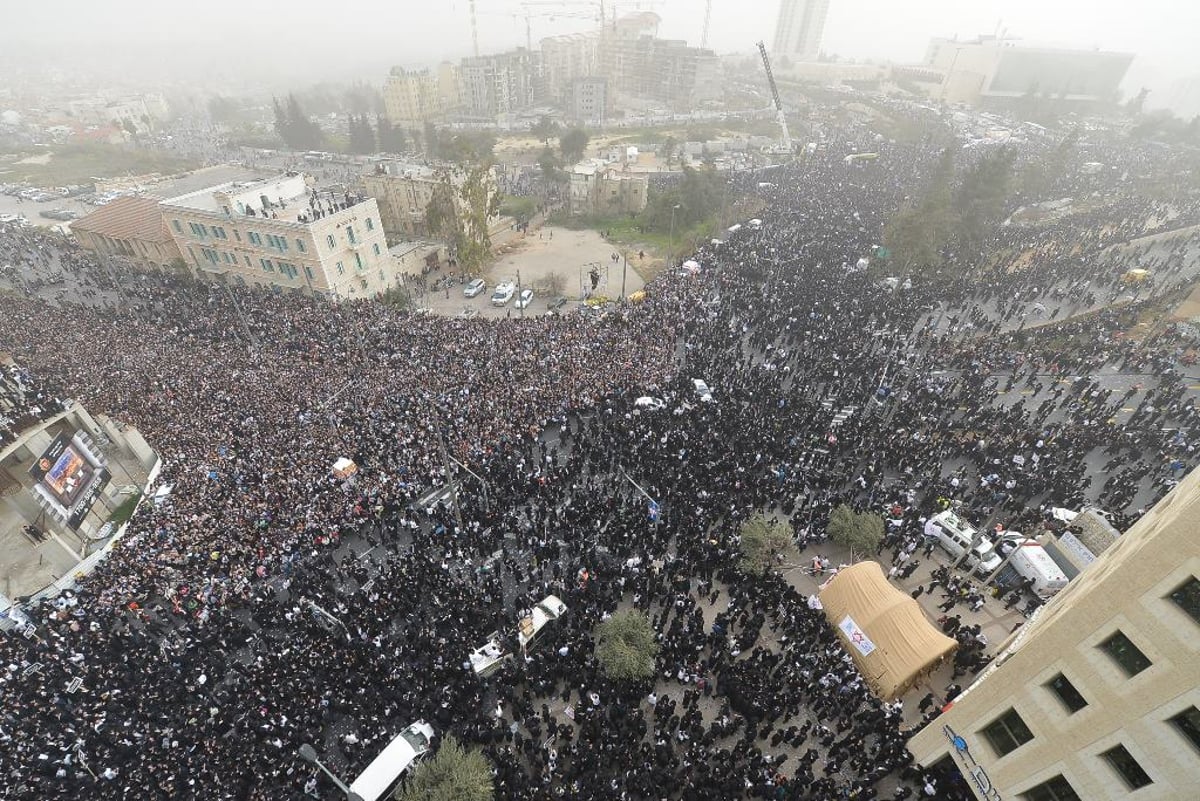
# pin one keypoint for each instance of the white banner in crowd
(858, 638)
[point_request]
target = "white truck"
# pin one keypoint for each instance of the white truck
(1031, 561)
(486, 659)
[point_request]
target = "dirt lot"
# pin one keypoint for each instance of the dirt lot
(550, 251)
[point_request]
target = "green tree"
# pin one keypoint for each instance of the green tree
(550, 165)
(982, 198)
(520, 209)
(433, 141)
(391, 137)
(362, 135)
(858, 531)
(573, 144)
(763, 542)
(626, 647)
(294, 127)
(917, 234)
(460, 213)
(223, 110)
(668, 149)
(544, 129)
(454, 773)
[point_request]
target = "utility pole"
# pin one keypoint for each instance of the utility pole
(520, 299)
(624, 272)
(250, 340)
(453, 486)
(474, 30)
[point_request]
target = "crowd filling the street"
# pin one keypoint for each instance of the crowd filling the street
(269, 602)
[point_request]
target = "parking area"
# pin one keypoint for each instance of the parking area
(552, 262)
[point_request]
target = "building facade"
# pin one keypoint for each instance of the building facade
(597, 188)
(281, 233)
(799, 28)
(566, 59)
(990, 70)
(129, 228)
(412, 98)
(588, 100)
(501, 84)
(1098, 696)
(403, 192)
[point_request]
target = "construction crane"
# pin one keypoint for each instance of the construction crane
(786, 144)
(707, 18)
(474, 30)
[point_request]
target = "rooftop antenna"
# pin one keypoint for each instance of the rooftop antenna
(707, 17)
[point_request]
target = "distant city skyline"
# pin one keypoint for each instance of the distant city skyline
(255, 45)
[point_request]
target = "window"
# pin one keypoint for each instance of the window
(350, 235)
(1125, 653)
(1071, 698)
(178, 227)
(1188, 724)
(300, 245)
(1123, 763)
(236, 235)
(332, 242)
(358, 260)
(308, 272)
(375, 248)
(1187, 597)
(1007, 733)
(254, 238)
(1056, 789)
(341, 270)
(266, 265)
(370, 224)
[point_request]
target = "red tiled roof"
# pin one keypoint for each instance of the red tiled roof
(127, 218)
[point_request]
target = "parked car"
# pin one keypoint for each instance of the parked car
(956, 536)
(475, 288)
(525, 298)
(504, 293)
(557, 303)
(702, 390)
(1032, 562)
(647, 402)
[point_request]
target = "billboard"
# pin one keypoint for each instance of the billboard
(69, 477)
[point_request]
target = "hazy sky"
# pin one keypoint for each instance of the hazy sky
(306, 40)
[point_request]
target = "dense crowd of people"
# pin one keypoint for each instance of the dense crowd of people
(269, 603)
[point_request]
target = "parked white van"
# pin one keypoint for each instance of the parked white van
(1032, 562)
(955, 535)
(380, 778)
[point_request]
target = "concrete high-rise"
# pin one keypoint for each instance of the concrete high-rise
(1098, 695)
(799, 27)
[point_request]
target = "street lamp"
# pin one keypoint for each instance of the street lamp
(309, 754)
(671, 246)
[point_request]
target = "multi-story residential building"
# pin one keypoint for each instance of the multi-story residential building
(597, 188)
(130, 228)
(641, 67)
(588, 100)
(1098, 696)
(403, 192)
(501, 84)
(566, 59)
(412, 98)
(282, 233)
(799, 28)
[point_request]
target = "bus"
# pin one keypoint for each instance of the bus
(379, 779)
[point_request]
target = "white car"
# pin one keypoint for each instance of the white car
(475, 288)
(503, 294)
(525, 298)
(647, 402)
(702, 390)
